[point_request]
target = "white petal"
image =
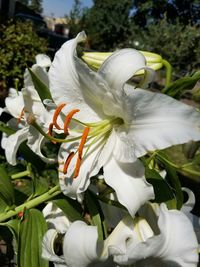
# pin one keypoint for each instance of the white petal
(80, 245)
(39, 72)
(158, 122)
(14, 103)
(35, 142)
(176, 245)
(43, 60)
(74, 187)
(32, 101)
(72, 82)
(48, 249)
(55, 218)
(120, 67)
(189, 204)
(127, 179)
(12, 144)
(116, 243)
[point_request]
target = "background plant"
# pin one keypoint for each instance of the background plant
(19, 45)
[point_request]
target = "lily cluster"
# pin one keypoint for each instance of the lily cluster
(106, 123)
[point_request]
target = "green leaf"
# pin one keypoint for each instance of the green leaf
(40, 185)
(182, 85)
(6, 187)
(95, 212)
(5, 129)
(13, 226)
(70, 207)
(32, 229)
(172, 178)
(41, 88)
(30, 156)
(163, 192)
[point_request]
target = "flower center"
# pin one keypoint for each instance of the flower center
(90, 134)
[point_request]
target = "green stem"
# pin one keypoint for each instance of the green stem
(20, 174)
(168, 73)
(196, 173)
(32, 203)
(182, 168)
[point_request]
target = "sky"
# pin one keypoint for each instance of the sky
(59, 8)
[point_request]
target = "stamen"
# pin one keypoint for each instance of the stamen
(80, 151)
(56, 113)
(67, 162)
(50, 129)
(68, 119)
(21, 115)
(50, 132)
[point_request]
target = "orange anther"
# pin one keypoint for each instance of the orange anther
(21, 115)
(56, 113)
(67, 162)
(80, 151)
(68, 119)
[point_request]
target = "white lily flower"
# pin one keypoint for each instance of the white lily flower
(19, 105)
(187, 209)
(58, 225)
(165, 239)
(120, 123)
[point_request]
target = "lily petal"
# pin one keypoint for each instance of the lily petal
(72, 82)
(121, 66)
(74, 187)
(35, 142)
(127, 179)
(176, 245)
(14, 103)
(43, 60)
(12, 144)
(159, 121)
(39, 72)
(48, 252)
(81, 246)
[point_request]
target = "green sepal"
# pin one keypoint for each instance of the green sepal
(41, 88)
(71, 208)
(178, 88)
(95, 213)
(6, 187)
(32, 229)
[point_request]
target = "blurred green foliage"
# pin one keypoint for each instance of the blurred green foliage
(19, 45)
(178, 43)
(166, 27)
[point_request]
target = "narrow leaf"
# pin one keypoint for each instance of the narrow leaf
(172, 178)
(32, 230)
(182, 85)
(6, 187)
(95, 212)
(163, 191)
